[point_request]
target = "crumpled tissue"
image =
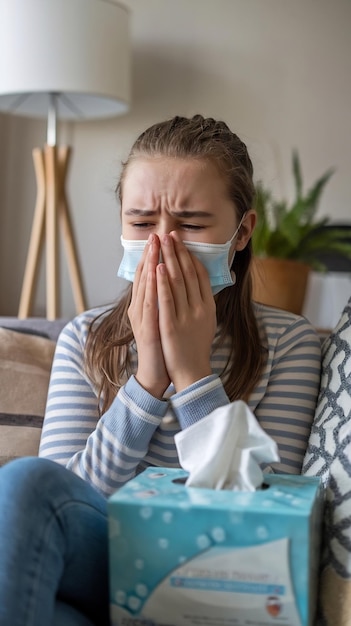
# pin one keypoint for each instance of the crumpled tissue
(225, 449)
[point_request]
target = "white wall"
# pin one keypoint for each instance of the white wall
(277, 71)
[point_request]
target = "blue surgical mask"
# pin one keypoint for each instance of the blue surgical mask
(214, 257)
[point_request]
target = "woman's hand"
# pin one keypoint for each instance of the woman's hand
(144, 318)
(187, 313)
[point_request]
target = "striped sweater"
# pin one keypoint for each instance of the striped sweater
(138, 430)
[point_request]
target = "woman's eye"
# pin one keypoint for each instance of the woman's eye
(146, 225)
(143, 225)
(192, 226)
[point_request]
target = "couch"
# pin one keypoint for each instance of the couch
(26, 352)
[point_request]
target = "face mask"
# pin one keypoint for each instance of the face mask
(214, 256)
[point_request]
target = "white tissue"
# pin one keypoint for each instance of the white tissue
(225, 449)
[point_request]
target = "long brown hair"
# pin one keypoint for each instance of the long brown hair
(107, 349)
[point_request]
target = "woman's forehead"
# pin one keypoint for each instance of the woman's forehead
(162, 174)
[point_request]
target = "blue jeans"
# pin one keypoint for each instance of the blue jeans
(53, 547)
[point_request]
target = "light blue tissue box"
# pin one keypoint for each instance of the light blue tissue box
(184, 556)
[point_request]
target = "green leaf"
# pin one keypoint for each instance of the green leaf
(293, 232)
(314, 194)
(297, 174)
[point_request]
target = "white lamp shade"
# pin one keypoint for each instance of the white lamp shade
(78, 50)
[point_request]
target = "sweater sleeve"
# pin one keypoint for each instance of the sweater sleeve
(198, 400)
(104, 450)
(285, 400)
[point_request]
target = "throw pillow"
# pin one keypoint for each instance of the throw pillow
(329, 456)
(25, 365)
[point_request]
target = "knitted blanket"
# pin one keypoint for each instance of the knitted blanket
(329, 456)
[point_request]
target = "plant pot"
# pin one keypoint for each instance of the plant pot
(280, 283)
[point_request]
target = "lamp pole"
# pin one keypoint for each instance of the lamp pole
(51, 134)
(51, 213)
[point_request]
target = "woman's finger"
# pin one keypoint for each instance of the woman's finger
(143, 306)
(164, 292)
(143, 313)
(147, 259)
(179, 283)
(195, 275)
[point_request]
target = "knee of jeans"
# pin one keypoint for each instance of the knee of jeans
(37, 482)
(21, 474)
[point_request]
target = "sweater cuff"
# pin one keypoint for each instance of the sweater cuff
(141, 402)
(134, 416)
(198, 400)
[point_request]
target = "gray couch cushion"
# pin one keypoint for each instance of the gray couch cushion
(35, 325)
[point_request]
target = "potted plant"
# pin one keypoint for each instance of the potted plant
(289, 241)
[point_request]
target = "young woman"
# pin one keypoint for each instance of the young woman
(185, 339)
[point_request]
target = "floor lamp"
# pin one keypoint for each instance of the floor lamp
(69, 60)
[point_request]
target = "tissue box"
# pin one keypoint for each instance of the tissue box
(184, 556)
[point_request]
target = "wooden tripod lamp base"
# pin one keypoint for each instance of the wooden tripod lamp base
(51, 214)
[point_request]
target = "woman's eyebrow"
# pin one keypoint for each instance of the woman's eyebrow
(145, 212)
(182, 214)
(188, 214)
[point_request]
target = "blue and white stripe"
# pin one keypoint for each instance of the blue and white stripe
(138, 430)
